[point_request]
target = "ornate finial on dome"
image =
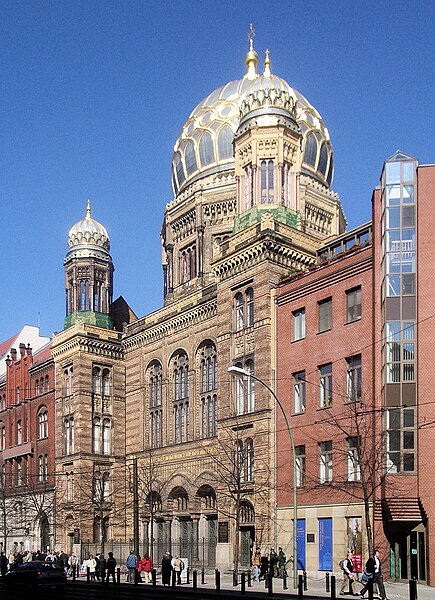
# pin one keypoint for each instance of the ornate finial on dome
(88, 209)
(267, 64)
(251, 58)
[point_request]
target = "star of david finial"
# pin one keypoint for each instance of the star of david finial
(251, 36)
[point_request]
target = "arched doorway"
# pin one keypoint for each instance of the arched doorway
(44, 533)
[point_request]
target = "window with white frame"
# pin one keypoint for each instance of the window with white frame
(42, 423)
(353, 378)
(325, 385)
(325, 314)
(325, 462)
(245, 389)
(401, 440)
(300, 463)
(267, 181)
(298, 324)
(101, 489)
(249, 451)
(299, 391)
(19, 471)
(244, 309)
(68, 435)
(101, 435)
(19, 432)
(353, 461)
(43, 468)
(353, 304)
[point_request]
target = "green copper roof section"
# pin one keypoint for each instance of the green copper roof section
(97, 319)
(254, 215)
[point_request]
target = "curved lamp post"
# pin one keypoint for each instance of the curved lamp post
(239, 372)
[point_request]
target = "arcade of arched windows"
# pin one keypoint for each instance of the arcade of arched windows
(244, 309)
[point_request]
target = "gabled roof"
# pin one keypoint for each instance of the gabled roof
(399, 155)
(29, 334)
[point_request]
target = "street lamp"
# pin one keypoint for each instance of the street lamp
(239, 372)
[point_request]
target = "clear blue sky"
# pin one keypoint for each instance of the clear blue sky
(94, 94)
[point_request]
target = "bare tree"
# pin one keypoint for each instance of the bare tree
(242, 489)
(149, 487)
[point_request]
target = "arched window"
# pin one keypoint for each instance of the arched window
(190, 158)
(208, 367)
(106, 382)
(156, 436)
(249, 187)
(323, 159)
(240, 461)
(240, 311)
(181, 422)
(249, 459)
(96, 435)
(225, 143)
(42, 423)
(43, 467)
(206, 150)
(330, 170)
(247, 514)
(181, 376)
(310, 154)
(84, 304)
(245, 389)
(249, 307)
(180, 169)
(68, 376)
(2, 436)
(68, 435)
(96, 380)
(155, 383)
(267, 181)
(106, 436)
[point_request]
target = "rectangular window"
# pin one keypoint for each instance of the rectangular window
(353, 377)
(325, 385)
(325, 315)
(299, 391)
(353, 305)
(325, 462)
(353, 462)
(400, 440)
(300, 461)
(299, 324)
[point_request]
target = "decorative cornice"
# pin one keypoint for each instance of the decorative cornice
(167, 327)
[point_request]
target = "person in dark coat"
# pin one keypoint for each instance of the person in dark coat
(111, 567)
(166, 569)
(373, 565)
(3, 564)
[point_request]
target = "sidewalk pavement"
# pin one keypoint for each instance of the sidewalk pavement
(317, 587)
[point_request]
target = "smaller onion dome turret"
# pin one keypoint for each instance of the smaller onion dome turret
(88, 237)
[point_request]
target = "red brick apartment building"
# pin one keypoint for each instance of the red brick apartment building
(353, 368)
(27, 449)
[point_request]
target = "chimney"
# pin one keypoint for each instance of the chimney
(13, 354)
(29, 350)
(22, 349)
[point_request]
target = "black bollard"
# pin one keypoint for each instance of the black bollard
(266, 580)
(270, 585)
(217, 579)
(305, 582)
(154, 577)
(284, 581)
(174, 579)
(88, 574)
(195, 580)
(370, 589)
(243, 583)
(413, 589)
(333, 596)
(248, 574)
(202, 576)
(235, 580)
(136, 577)
(300, 586)
(73, 573)
(188, 575)
(327, 583)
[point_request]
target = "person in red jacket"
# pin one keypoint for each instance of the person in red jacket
(144, 566)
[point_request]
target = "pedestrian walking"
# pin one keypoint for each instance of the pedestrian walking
(178, 566)
(346, 565)
(281, 562)
(131, 564)
(110, 568)
(373, 567)
(144, 566)
(166, 568)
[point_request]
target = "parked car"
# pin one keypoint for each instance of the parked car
(36, 573)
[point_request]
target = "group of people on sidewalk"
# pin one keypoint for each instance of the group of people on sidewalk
(372, 575)
(135, 568)
(272, 564)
